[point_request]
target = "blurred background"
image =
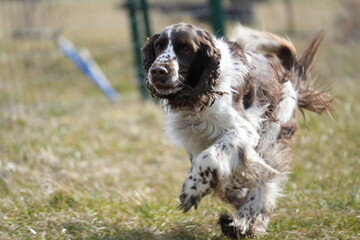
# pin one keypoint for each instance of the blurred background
(35, 72)
(69, 156)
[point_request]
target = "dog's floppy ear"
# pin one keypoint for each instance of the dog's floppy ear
(207, 45)
(149, 52)
(210, 57)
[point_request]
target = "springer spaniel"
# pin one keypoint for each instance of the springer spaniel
(234, 111)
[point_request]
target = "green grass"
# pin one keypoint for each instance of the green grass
(78, 167)
(100, 171)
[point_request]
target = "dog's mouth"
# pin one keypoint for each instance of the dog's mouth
(166, 89)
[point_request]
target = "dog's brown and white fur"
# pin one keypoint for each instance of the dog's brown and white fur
(234, 111)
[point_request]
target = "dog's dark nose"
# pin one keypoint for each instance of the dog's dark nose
(158, 71)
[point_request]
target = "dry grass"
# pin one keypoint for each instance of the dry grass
(81, 168)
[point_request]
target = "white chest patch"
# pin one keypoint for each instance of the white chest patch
(194, 133)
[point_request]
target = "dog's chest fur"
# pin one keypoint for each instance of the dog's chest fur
(196, 132)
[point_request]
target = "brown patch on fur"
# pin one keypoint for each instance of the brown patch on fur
(285, 51)
(287, 57)
(244, 94)
(265, 87)
(265, 80)
(249, 93)
(263, 83)
(287, 131)
(277, 67)
(236, 50)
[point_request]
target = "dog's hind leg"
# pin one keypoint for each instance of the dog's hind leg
(257, 199)
(253, 215)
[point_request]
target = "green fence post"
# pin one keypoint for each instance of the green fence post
(131, 4)
(145, 9)
(217, 17)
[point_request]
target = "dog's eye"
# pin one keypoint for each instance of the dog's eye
(185, 49)
(158, 47)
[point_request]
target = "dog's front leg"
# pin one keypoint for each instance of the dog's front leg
(208, 168)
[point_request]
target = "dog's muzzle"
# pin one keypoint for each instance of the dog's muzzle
(164, 78)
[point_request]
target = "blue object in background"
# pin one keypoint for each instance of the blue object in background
(88, 66)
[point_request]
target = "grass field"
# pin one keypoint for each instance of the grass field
(81, 168)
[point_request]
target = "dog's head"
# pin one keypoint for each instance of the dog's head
(181, 59)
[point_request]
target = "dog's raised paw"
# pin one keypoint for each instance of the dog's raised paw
(187, 201)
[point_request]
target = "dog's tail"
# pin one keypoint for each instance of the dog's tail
(260, 41)
(310, 99)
